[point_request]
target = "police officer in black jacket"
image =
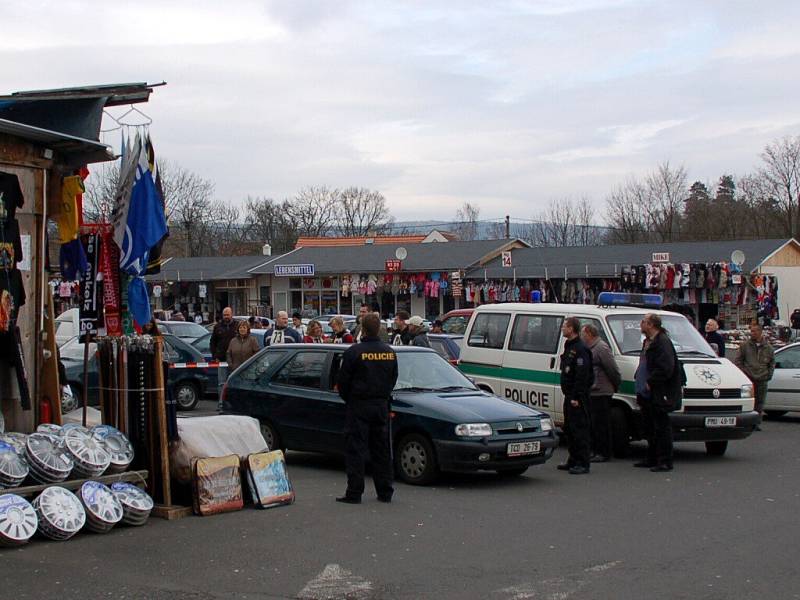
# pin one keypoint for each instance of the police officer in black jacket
(366, 380)
(577, 377)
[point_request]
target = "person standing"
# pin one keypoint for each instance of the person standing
(436, 327)
(401, 335)
(282, 333)
(417, 332)
(576, 381)
(341, 335)
(713, 337)
(607, 380)
(297, 324)
(357, 330)
(659, 380)
(221, 337)
(756, 359)
(314, 333)
(366, 379)
(242, 346)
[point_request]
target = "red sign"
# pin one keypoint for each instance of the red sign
(393, 265)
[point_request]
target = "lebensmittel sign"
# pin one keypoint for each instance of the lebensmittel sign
(294, 270)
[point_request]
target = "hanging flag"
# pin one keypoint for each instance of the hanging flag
(143, 227)
(154, 262)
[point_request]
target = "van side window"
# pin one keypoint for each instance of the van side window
(598, 324)
(489, 330)
(536, 333)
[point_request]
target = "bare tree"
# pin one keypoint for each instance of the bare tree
(466, 227)
(312, 210)
(666, 191)
(362, 212)
(565, 222)
(626, 213)
(267, 221)
(781, 176)
(101, 187)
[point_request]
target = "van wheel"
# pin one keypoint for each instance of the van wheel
(620, 432)
(716, 448)
(415, 460)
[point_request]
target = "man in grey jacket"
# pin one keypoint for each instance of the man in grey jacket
(756, 359)
(607, 380)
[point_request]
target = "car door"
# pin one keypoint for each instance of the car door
(332, 408)
(784, 387)
(297, 387)
(531, 363)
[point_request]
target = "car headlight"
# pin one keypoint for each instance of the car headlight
(546, 424)
(747, 390)
(474, 429)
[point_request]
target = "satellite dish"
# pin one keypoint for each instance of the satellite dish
(737, 257)
(400, 253)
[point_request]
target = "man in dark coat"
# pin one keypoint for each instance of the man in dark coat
(576, 381)
(221, 337)
(659, 382)
(365, 381)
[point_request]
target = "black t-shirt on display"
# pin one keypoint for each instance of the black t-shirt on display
(12, 281)
(10, 245)
(10, 196)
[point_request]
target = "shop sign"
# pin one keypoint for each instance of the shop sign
(202, 290)
(506, 259)
(660, 257)
(294, 270)
(393, 265)
(157, 291)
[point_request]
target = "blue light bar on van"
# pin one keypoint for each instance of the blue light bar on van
(625, 299)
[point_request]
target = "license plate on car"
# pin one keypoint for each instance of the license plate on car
(720, 421)
(521, 448)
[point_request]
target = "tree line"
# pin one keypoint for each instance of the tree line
(661, 206)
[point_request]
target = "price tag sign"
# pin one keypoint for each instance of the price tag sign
(393, 265)
(506, 259)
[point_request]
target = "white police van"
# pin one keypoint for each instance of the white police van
(513, 350)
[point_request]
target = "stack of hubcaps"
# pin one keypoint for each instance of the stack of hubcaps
(88, 453)
(49, 428)
(13, 468)
(18, 520)
(47, 461)
(60, 513)
(117, 445)
(103, 509)
(16, 440)
(136, 503)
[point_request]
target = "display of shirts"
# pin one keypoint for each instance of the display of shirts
(67, 220)
(12, 281)
(10, 245)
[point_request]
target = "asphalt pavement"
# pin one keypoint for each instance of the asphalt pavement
(715, 528)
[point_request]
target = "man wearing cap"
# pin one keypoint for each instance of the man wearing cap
(418, 332)
(402, 335)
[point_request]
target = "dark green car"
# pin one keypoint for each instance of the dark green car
(440, 420)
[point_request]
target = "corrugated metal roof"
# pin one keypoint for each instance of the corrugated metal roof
(115, 93)
(78, 151)
(607, 261)
(372, 258)
(209, 268)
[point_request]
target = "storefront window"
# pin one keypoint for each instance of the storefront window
(311, 304)
(403, 303)
(432, 308)
(329, 302)
(296, 304)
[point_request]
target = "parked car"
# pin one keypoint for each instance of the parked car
(203, 343)
(783, 392)
(447, 345)
(187, 384)
(185, 330)
(67, 326)
(456, 321)
(440, 420)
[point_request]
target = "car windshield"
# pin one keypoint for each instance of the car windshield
(686, 339)
(203, 343)
(429, 372)
(455, 324)
(192, 330)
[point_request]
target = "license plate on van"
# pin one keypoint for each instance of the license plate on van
(720, 421)
(522, 448)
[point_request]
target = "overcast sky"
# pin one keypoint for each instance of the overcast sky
(507, 105)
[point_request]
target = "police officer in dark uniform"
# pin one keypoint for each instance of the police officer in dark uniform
(577, 377)
(366, 380)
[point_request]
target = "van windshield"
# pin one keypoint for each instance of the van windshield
(686, 339)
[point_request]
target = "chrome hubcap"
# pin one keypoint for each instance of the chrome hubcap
(185, 396)
(413, 459)
(266, 431)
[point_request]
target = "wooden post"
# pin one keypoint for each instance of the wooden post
(87, 341)
(161, 420)
(50, 383)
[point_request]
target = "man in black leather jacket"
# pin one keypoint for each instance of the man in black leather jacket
(577, 376)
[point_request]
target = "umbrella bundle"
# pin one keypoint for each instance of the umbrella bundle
(61, 515)
(103, 508)
(136, 503)
(18, 520)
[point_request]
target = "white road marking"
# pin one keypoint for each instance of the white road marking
(603, 567)
(554, 589)
(334, 583)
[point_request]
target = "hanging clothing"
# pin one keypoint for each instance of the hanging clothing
(67, 219)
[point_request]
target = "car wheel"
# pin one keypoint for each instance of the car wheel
(775, 414)
(70, 403)
(512, 472)
(620, 432)
(716, 448)
(186, 395)
(271, 436)
(415, 460)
